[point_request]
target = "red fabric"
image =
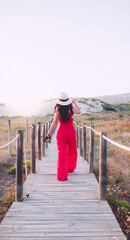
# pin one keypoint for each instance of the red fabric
(67, 149)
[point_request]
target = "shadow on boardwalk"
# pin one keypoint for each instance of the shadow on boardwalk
(60, 210)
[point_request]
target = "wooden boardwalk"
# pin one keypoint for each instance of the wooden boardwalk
(60, 210)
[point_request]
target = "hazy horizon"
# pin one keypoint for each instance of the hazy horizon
(46, 106)
(49, 46)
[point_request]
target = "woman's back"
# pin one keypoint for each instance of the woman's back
(68, 123)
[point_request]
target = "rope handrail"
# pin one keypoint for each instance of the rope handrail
(80, 126)
(116, 144)
(113, 142)
(96, 131)
(76, 124)
(7, 144)
(106, 138)
(87, 126)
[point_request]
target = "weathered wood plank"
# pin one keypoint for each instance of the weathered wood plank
(60, 210)
(63, 238)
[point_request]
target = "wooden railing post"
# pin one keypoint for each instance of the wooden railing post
(43, 144)
(33, 163)
(91, 150)
(103, 166)
(35, 126)
(46, 134)
(49, 124)
(10, 147)
(80, 141)
(84, 141)
(27, 130)
(19, 168)
(39, 140)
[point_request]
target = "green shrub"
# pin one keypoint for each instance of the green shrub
(12, 170)
(28, 163)
(108, 107)
(118, 204)
(123, 107)
(81, 101)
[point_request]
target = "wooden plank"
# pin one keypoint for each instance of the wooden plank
(63, 238)
(61, 234)
(60, 210)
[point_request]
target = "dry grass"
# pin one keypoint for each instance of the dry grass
(117, 127)
(118, 160)
(16, 123)
(6, 201)
(7, 181)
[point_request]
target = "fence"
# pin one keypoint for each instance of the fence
(36, 137)
(81, 144)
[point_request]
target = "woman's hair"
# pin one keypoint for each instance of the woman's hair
(64, 112)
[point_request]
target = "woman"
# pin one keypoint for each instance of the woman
(66, 136)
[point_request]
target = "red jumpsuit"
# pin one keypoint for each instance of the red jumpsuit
(67, 149)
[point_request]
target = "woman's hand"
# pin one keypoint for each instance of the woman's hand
(76, 109)
(47, 139)
(73, 101)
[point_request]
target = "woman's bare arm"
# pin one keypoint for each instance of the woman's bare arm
(76, 109)
(54, 123)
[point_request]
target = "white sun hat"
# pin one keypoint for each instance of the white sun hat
(64, 99)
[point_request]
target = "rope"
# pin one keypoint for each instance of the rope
(96, 131)
(106, 138)
(87, 126)
(9, 142)
(116, 144)
(76, 124)
(80, 127)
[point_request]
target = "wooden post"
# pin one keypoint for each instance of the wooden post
(103, 167)
(39, 140)
(46, 134)
(33, 162)
(84, 141)
(43, 145)
(77, 135)
(49, 124)
(10, 147)
(48, 127)
(19, 168)
(80, 141)
(27, 130)
(91, 150)
(36, 126)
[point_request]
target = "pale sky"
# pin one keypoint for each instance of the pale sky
(78, 46)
